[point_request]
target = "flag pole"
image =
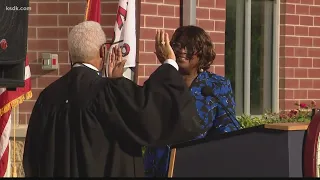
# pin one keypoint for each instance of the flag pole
(14, 174)
(87, 10)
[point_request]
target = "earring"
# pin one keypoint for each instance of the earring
(201, 70)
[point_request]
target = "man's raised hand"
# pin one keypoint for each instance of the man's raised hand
(116, 63)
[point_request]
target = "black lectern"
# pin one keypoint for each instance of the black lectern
(273, 150)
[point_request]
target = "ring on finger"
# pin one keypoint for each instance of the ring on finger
(163, 43)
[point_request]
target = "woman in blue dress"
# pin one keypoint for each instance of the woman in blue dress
(212, 93)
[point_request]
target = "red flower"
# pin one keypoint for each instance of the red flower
(283, 116)
(303, 105)
(294, 112)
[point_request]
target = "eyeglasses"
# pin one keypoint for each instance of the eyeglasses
(177, 47)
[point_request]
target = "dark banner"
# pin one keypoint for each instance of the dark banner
(13, 31)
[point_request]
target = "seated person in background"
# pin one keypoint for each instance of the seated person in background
(84, 125)
(213, 93)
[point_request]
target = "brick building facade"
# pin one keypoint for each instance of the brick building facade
(299, 41)
(299, 52)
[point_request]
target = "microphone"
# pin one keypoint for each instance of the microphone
(207, 91)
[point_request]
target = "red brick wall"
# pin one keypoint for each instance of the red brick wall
(299, 52)
(165, 14)
(51, 20)
(49, 24)
(155, 14)
(211, 16)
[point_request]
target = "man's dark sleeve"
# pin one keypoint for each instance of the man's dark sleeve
(160, 112)
(33, 141)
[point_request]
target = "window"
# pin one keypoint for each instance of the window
(251, 56)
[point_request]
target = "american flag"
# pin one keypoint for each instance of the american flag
(8, 101)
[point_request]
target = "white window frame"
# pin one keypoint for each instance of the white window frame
(243, 60)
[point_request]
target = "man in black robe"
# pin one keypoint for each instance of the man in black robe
(84, 125)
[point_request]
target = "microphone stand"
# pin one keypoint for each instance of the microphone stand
(230, 115)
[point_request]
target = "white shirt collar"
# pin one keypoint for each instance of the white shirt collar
(86, 64)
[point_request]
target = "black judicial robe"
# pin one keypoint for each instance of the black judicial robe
(83, 125)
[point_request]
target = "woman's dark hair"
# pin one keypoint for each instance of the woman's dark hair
(196, 42)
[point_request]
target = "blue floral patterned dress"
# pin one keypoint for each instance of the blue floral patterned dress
(156, 160)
